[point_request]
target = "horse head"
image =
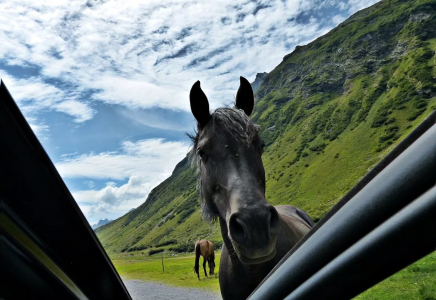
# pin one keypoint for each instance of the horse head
(211, 262)
(228, 150)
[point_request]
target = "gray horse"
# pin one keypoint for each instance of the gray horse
(228, 149)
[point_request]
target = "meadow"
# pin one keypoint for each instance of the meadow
(416, 282)
(179, 269)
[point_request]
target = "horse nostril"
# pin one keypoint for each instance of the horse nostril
(237, 230)
(274, 222)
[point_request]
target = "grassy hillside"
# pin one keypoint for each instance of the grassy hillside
(329, 112)
(334, 108)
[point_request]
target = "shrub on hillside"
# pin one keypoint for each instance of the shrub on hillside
(166, 243)
(185, 214)
(318, 147)
(136, 248)
(154, 251)
(184, 247)
(217, 244)
(189, 203)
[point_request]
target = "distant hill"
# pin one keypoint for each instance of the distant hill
(101, 223)
(329, 112)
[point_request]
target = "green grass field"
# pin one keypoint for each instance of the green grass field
(416, 282)
(179, 270)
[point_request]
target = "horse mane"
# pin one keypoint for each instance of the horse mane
(235, 122)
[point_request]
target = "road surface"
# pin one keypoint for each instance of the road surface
(140, 290)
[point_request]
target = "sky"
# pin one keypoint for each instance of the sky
(105, 84)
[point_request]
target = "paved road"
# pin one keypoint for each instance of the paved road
(140, 290)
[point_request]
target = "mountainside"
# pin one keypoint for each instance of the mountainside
(328, 112)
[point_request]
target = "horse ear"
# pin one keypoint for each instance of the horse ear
(199, 105)
(245, 97)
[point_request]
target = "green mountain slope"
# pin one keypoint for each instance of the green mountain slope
(329, 112)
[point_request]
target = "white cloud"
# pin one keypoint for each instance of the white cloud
(338, 19)
(40, 130)
(136, 189)
(32, 91)
(110, 198)
(356, 5)
(90, 184)
(144, 163)
(33, 95)
(153, 159)
(149, 53)
(79, 110)
(134, 93)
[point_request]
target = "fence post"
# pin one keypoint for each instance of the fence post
(163, 268)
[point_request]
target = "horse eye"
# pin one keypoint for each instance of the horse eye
(201, 154)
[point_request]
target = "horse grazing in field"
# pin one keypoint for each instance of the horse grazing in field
(227, 150)
(204, 248)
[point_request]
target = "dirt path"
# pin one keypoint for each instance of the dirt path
(140, 290)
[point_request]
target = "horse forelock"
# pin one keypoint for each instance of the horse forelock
(236, 123)
(233, 121)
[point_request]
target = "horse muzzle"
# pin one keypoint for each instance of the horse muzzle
(253, 232)
(255, 257)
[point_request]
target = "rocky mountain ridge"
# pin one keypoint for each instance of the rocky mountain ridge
(258, 81)
(101, 223)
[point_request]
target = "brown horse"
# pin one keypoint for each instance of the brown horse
(204, 248)
(228, 149)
